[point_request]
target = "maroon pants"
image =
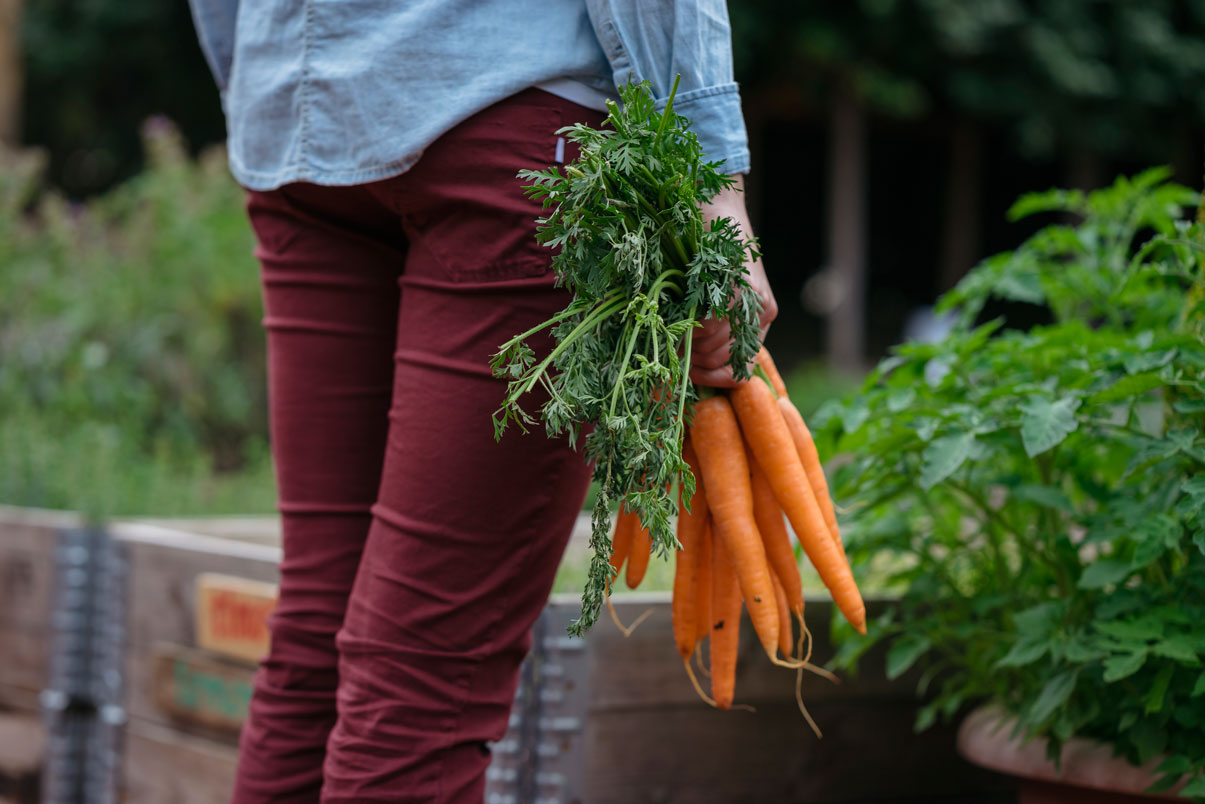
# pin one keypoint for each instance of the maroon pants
(417, 550)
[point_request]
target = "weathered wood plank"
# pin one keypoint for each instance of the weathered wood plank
(232, 615)
(196, 688)
(255, 529)
(163, 766)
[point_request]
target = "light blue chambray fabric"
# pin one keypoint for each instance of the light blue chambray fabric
(342, 92)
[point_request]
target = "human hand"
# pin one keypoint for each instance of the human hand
(710, 348)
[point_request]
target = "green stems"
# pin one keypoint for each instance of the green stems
(623, 368)
(568, 312)
(669, 109)
(682, 392)
(596, 316)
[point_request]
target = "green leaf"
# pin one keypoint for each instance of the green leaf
(1148, 360)
(1129, 386)
(854, 415)
(1174, 765)
(1147, 551)
(1079, 650)
(1194, 788)
(904, 652)
(1038, 621)
(1023, 652)
(1104, 572)
(925, 427)
(1044, 424)
(925, 717)
(1195, 487)
(1190, 406)
(1158, 690)
(1199, 688)
(1127, 720)
(900, 399)
(1138, 631)
(1157, 534)
(1022, 286)
(1183, 437)
(943, 457)
(1053, 695)
(1149, 738)
(1119, 667)
(1199, 540)
(1177, 648)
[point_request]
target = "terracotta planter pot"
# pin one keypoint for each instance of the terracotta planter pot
(1088, 770)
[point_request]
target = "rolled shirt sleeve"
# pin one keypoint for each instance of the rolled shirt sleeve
(656, 40)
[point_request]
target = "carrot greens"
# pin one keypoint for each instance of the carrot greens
(644, 269)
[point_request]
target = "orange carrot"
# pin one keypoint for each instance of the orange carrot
(703, 584)
(691, 525)
(784, 619)
(717, 442)
(767, 365)
(725, 625)
(621, 540)
(810, 458)
(770, 438)
(779, 552)
(638, 559)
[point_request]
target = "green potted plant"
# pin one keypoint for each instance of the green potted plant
(1036, 495)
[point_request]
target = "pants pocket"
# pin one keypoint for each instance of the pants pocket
(464, 204)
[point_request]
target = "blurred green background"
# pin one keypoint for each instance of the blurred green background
(888, 138)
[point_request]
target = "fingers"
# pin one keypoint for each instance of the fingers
(712, 368)
(715, 378)
(769, 311)
(710, 349)
(711, 338)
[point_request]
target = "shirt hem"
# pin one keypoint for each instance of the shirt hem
(262, 181)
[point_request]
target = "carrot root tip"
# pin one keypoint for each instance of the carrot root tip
(802, 708)
(820, 671)
(698, 688)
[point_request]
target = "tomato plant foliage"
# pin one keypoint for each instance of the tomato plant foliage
(1041, 492)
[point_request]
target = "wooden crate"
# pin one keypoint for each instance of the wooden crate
(184, 705)
(626, 724)
(163, 569)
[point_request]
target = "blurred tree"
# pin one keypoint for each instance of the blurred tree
(1083, 81)
(1108, 76)
(96, 70)
(10, 71)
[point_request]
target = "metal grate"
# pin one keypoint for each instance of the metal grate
(541, 760)
(82, 702)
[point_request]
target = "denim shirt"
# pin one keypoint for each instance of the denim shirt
(340, 92)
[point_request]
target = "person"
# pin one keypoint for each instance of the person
(379, 145)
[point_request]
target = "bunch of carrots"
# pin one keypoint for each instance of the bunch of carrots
(754, 461)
